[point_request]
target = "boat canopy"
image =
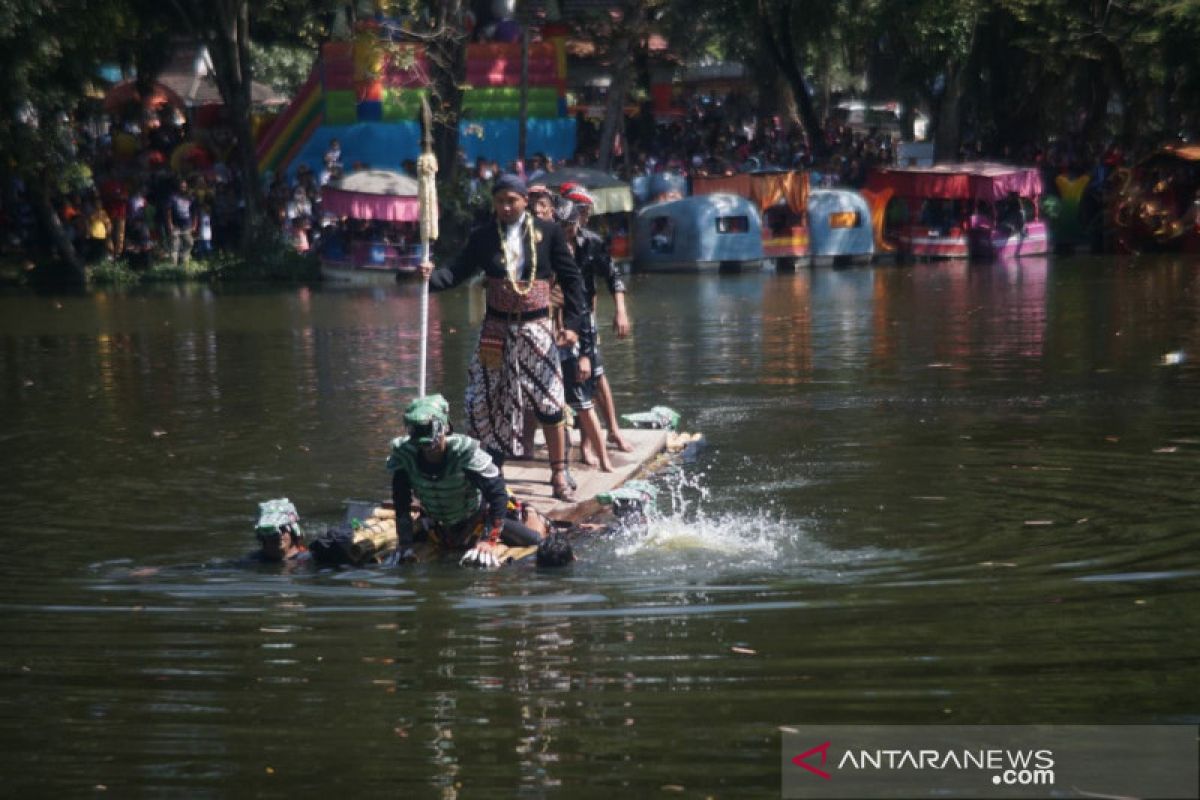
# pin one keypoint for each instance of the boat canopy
(764, 189)
(696, 230)
(660, 185)
(373, 194)
(839, 223)
(980, 180)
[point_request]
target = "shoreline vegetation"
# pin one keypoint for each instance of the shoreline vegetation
(273, 262)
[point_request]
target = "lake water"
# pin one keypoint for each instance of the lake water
(930, 493)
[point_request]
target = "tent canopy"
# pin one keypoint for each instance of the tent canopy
(182, 92)
(612, 195)
(126, 92)
(976, 179)
(373, 194)
(765, 188)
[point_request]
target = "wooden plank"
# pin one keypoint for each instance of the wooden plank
(529, 480)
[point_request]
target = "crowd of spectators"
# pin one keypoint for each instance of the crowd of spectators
(722, 136)
(145, 200)
(144, 192)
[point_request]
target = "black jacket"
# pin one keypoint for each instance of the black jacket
(554, 260)
(591, 253)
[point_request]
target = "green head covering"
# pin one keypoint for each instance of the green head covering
(427, 419)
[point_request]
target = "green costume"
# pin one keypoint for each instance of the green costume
(449, 496)
(456, 489)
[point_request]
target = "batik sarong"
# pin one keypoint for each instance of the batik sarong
(515, 368)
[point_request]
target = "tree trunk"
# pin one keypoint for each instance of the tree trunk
(230, 48)
(620, 66)
(224, 27)
(447, 52)
(948, 123)
(53, 225)
(1096, 105)
(948, 126)
(777, 35)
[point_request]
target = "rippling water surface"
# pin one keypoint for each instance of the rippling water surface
(944, 492)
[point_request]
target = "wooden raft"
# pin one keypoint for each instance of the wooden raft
(529, 480)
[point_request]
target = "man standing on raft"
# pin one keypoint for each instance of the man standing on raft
(515, 367)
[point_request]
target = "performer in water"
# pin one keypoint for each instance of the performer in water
(462, 493)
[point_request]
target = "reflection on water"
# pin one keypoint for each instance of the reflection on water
(930, 492)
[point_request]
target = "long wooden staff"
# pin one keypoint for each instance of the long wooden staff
(427, 167)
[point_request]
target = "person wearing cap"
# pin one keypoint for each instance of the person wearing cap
(515, 369)
(461, 490)
(592, 256)
(282, 541)
(579, 390)
(541, 202)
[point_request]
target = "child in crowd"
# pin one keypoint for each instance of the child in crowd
(204, 233)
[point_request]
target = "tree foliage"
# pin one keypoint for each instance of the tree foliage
(49, 52)
(1006, 72)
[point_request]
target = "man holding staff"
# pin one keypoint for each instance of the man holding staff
(515, 368)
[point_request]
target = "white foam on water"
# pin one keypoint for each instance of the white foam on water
(726, 534)
(686, 536)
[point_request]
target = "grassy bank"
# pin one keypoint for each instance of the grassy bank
(272, 263)
(283, 265)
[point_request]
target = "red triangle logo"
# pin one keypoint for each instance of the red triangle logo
(823, 749)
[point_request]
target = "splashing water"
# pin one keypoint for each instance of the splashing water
(723, 535)
(684, 535)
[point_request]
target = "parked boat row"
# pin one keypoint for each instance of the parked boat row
(774, 217)
(968, 210)
(725, 231)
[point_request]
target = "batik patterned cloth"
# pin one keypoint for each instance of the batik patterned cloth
(514, 370)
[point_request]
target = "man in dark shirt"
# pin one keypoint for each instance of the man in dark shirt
(515, 368)
(591, 253)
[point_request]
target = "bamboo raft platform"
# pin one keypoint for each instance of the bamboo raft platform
(529, 479)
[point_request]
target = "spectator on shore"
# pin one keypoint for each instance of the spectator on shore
(98, 227)
(181, 225)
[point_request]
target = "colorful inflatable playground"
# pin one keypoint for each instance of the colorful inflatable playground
(366, 93)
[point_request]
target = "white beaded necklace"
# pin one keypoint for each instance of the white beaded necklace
(511, 259)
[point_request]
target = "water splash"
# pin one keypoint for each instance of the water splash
(686, 534)
(729, 535)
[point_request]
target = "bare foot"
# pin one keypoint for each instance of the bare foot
(587, 458)
(617, 442)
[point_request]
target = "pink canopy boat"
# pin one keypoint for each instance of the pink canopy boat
(955, 210)
(373, 195)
